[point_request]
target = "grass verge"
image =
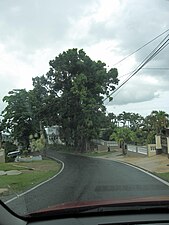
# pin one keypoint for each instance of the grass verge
(164, 176)
(32, 174)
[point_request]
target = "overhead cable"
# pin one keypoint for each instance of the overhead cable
(163, 44)
(140, 48)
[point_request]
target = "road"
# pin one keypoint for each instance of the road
(84, 179)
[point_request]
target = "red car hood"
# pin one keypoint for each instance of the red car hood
(103, 203)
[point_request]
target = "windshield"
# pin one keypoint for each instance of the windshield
(84, 103)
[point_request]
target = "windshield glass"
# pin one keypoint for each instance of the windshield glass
(84, 103)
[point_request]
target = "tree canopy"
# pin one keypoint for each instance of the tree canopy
(70, 95)
(78, 85)
(17, 116)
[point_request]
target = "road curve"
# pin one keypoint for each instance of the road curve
(84, 179)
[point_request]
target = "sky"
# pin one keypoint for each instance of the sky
(34, 32)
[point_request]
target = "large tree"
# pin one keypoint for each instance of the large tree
(77, 86)
(18, 116)
(70, 95)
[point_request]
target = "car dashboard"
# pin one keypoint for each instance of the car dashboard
(150, 216)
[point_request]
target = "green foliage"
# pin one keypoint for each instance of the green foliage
(132, 120)
(123, 134)
(140, 137)
(137, 129)
(18, 116)
(71, 96)
(76, 87)
(106, 133)
(37, 144)
(157, 121)
(151, 137)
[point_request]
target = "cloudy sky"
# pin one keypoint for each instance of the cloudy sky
(35, 31)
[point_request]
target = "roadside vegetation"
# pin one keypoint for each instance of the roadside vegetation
(164, 176)
(32, 173)
(72, 95)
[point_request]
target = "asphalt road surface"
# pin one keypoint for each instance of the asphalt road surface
(89, 179)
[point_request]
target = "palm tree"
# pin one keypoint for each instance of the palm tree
(160, 120)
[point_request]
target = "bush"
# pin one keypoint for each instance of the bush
(37, 144)
(59, 147)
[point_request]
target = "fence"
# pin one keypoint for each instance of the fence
(150, 150)
(137, 149)
(111, 143)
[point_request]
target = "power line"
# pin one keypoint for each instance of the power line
(137, 70)
(156, 68)
(150, 56)
(125, 74)
(140, 67)
(155, 50)
(148, 68)
(141, 47)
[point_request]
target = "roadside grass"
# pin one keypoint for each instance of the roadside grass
(8, 166)
(164, 176)
(40, 171)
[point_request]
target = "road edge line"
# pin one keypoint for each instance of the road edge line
(134, 166)
(38, 185)
(144, 171)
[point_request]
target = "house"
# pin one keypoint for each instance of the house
(53, 135)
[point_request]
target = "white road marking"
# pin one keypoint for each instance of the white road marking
(16, 197)
(144, 171)
(136, 167)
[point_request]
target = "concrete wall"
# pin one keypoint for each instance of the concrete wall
(103, 145)
(104, 148)
(111, 143)
(151, 150)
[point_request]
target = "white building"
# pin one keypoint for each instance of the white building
(53, 135)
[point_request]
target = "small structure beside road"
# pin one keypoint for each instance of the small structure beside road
(151, 150)
(2, 155)
(103, 145)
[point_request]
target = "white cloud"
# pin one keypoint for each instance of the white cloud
(143, 108)
(34, 32)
